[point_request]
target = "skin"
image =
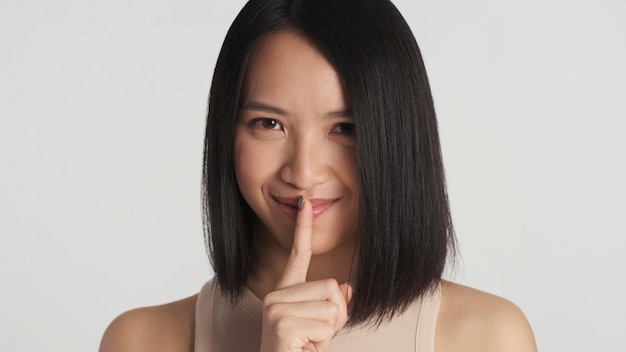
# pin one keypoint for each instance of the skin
(303, 255)
(293, 139)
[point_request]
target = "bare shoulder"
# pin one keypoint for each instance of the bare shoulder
(168, 327)
(473, 320)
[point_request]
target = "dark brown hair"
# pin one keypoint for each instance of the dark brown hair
(405, 230)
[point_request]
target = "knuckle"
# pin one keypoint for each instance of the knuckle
(332, 309)
(272, 313)
(269, 299)
(330, 284)
(297, 252)
(330, 329)
(283, 327)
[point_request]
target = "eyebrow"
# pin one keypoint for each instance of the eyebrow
(254, 105)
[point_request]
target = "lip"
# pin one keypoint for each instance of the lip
(289, 205)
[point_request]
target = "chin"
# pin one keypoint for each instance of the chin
(331, 245)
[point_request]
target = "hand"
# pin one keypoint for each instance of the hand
(301, 316)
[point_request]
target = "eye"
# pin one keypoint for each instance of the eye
(346, 128)
(266, 123)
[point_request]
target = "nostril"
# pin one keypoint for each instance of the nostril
(305, 167)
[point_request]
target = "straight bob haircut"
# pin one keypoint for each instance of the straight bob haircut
(405, 227)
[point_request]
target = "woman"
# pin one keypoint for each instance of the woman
(325, 205)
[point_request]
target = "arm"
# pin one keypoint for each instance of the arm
(169, 327)
(472, 320)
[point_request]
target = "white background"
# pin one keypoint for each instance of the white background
(102, 109)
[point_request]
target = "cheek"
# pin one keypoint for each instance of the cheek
(253, 166)
(346, 166)
(244, 166)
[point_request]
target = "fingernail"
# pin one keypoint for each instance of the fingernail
(300, 202)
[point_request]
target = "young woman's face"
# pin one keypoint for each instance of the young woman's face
(295, 136)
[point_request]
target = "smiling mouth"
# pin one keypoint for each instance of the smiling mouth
(289, 205)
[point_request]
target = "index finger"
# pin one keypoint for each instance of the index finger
(298, 263)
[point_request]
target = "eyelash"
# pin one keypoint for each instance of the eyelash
(260, 122)
(351, 130)
(344, 128)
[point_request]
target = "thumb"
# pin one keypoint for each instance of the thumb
(309, 347)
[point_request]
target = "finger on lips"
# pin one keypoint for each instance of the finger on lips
(298, 263)
(318, 308)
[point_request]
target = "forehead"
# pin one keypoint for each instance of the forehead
(284, 44)
(286, 65)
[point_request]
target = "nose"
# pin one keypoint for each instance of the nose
(305, 166)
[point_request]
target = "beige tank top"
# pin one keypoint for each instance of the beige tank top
(222, 328)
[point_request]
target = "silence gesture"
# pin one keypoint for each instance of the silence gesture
(299, 315)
